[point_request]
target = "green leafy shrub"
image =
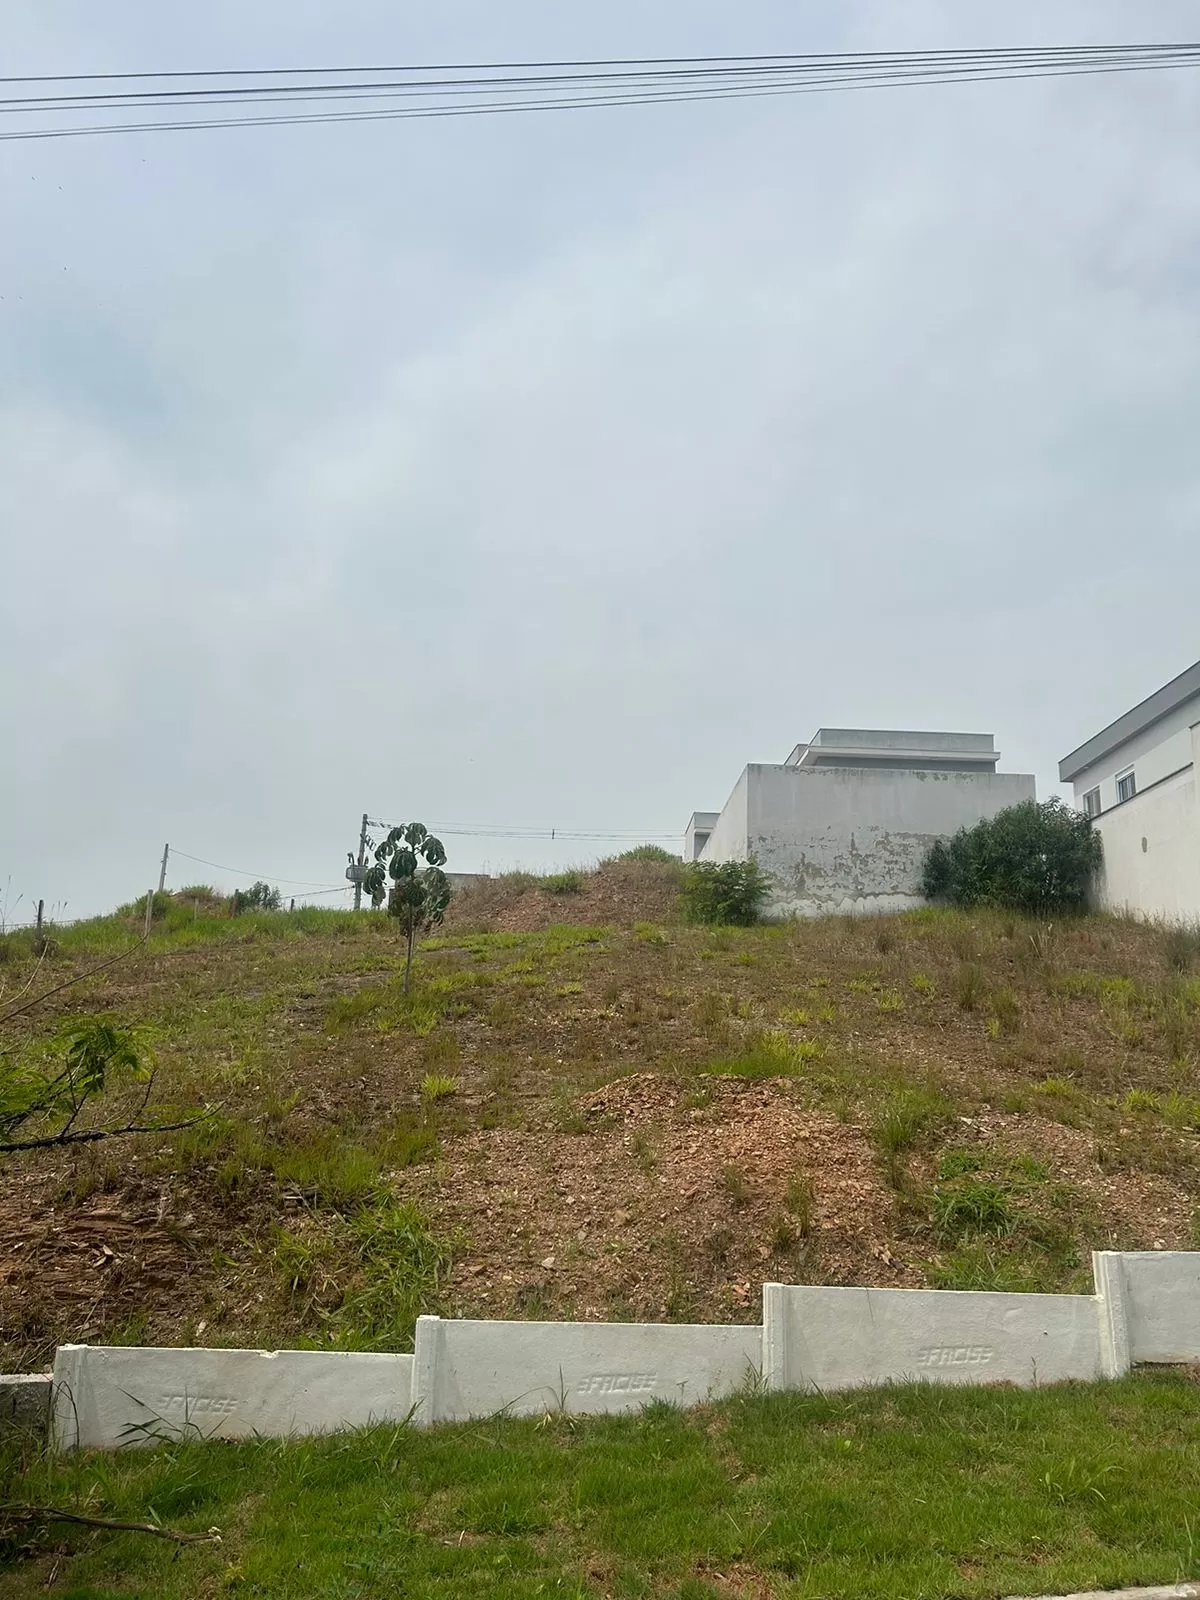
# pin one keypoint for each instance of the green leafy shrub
(1039, 859)
(258, 897)
(727, 893)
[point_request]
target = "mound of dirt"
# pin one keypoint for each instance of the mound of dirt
(616, 894)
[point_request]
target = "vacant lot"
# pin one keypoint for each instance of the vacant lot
(587, 1109)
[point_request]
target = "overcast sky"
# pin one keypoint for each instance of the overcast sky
(544, 471)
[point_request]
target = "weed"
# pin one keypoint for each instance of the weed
(907, 1117)
(958, 1163)
(643, 1152)
(570, 882)
(795, 1016)
(1140, 1100)
(649, 933)
(969, 1208)
(735, 1185)
(923, 984)
(402, 1266)
(885, 941)
(1006, 1009)
(890, 1000)
(437, 1086)
(969, 986)
(800, 1200)
(1056, 1088)
(770, 1055)
(784, 1236)
(980, 1266)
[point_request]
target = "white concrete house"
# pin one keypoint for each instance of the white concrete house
(1137, 780)
(844, 824)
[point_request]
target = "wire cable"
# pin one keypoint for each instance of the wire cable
(259, 877)
(585, 85)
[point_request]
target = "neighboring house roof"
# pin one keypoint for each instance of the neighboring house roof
(1159, 705)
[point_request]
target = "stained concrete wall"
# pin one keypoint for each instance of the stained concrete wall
(105, 1397)
(1152, 847)
(825, 1339)
(475, 1369)
(852, 839)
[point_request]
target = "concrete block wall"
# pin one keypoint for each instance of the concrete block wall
(1146, 1309)
(471, 1369)
(106, 1397)
(826, 1339)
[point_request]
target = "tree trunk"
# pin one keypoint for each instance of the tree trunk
(408, 959)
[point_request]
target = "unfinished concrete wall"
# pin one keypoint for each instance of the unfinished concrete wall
(855, 839)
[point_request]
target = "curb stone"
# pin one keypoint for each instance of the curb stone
(1170, 1591)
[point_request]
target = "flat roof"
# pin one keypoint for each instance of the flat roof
(1160, 704)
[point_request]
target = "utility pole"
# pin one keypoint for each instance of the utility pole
(162, 871)
(362, 861)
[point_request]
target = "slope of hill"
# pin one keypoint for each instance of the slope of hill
(586, 1109)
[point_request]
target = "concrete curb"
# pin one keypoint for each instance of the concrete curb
(1170, 1591)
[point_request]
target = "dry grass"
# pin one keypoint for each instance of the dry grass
(1079, 1047)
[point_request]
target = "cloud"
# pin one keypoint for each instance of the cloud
(547, 473)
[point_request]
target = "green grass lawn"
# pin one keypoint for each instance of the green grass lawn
(900, 1493)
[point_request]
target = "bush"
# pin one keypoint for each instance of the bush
(569, 882)
(650, 852)
(1181, 946)
(258, 897)
(1039, 859)
(728, 893)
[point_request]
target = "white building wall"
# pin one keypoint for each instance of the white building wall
(1152, 847)
(729, 839)
(1154, 755)
(853, 839)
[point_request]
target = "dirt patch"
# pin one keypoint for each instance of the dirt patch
(617, 894)
(664, 1208)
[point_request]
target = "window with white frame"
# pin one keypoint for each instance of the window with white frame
(1091, 803)
(1126, 786)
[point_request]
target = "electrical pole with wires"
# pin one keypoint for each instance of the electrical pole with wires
(357, 871)
(162, 871)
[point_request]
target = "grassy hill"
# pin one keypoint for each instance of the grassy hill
(587, 1109)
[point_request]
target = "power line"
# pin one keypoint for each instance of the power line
(260, 877)
(612, 61)
(582, 85)
(492, 831)
(599, 72)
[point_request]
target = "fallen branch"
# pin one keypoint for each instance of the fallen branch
(51, 1514)
(90, 1136)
